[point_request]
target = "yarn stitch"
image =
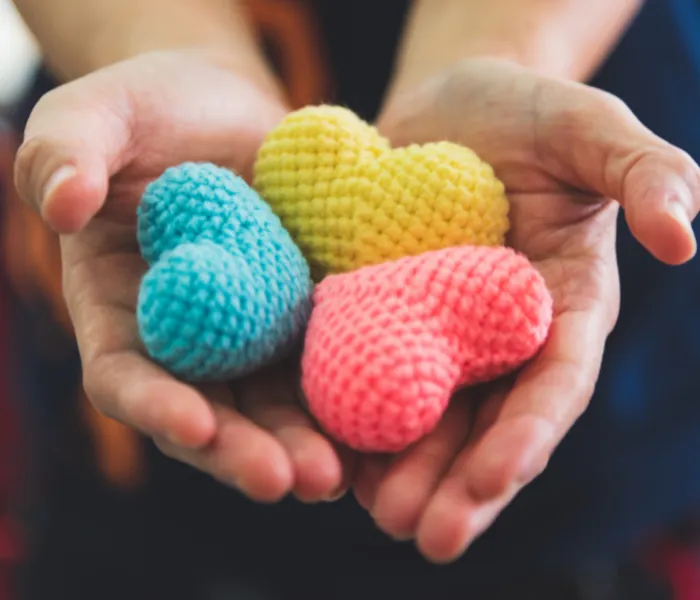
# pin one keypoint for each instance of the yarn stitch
(422, 298)
(227, 290)
(349, 200)
(387, 345)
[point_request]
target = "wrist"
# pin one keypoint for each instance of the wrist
(240, 62)
(81, 36)
(254, 68)
(566, 39)
(412, 94)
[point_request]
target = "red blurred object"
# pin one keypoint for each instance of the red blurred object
(679, 564)
(10, 468)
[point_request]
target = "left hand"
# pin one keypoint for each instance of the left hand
(105, 136)
(564, 151)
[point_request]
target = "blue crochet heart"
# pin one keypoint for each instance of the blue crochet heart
(227, 290)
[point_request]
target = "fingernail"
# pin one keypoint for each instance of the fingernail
(480, 520)
(337, 494)
(400, 537)
(533, 468)
(230, 483)
(679, 213)
(61, 175)
(174, 439)
(677, 210)
(535, 461)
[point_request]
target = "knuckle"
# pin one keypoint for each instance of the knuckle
(684, 164)
(607, 104)
(586, 107)
(670, 156)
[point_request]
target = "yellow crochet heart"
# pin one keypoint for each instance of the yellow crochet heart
(349, 200)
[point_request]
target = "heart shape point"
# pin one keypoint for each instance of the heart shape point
(349, 200)
(387, 345)
(227, 290)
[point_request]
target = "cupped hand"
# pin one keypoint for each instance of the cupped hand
(569, 156)
(90, 148)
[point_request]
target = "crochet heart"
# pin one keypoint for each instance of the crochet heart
(227, 290)
(387, 345)
(349, 200)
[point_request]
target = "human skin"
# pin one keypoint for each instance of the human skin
(150, 87)
(112, 129)
(569, 155)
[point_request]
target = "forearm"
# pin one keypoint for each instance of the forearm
(80, 36)
(566, 38)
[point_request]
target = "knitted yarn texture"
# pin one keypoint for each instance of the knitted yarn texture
(227, 290)
(422, 296)
(349, 200)
(388, 344)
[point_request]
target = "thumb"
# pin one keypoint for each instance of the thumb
(661, 199)
(75, 139)
(592, 140)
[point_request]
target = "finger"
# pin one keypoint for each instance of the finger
(369, 473)
(412, 478)
(77, 136)
(241, 455)
(546, 400)
(269, 400)
(453, 522)
(101, 295)
(519, 435)
(592, 140)
(349, 460)
(128, 388)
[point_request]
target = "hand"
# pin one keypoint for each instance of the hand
(564, 151)
(90, 148)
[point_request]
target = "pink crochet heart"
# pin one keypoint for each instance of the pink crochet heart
(387, 345)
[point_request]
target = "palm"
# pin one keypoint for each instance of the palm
(144, 116)
(561, 149)
(570, 240)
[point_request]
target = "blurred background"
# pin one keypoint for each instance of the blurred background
(19, 55)
(75, 495)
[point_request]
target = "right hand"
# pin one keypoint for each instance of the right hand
(91, 146)
(564, 151)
